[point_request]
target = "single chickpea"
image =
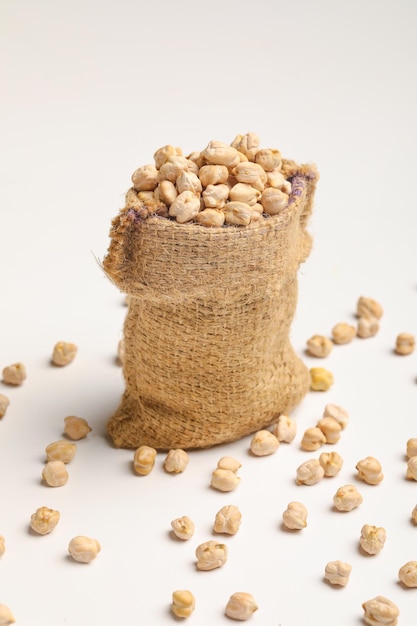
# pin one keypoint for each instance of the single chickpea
(14, 374)
(338, 413)
(264, 443)
(63, 353)
(241, 606)
(227, 520)
(211, 555)
(183, 527)
(319, 346)
(285, 429)
(380, 610)
(4, 403)
(121, 351)
(55, 474)
(343, 333)
(60, 451)
(183, 603)
(367, 307)
(309, 473)
(83, 549)
(412, 468)
(405, 344)
(414, 515)
(176, 461)
(370, 470)
(372, 539)
(6, 616)
(411, 447)
(367, 327)
(321, 379)
(76, 428)
(331, 429)
(44, 520)
(313, 439)
(144, 460)
(2, 545)
(408, 574)
(331, 462)
(295, 516)
(224, 480)
(229, 463)
(347, 498)
(337, 573)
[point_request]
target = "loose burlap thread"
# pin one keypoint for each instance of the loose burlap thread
(208, 357)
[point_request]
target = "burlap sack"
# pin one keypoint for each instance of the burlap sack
(207, 351)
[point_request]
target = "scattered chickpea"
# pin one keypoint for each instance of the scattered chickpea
(241, 606)
(183, 603)
(76, 427)
(183, 527)
(370, 470)
(4, 403)
(121, 351)
(6, 616)
(144, 460)
(176, 461)
(61, 451)
(367, 307)
(372, 539)
(367, 327)
(319, 346)
(411, 447)
(44, 520)
(264, 443)
(405, 344)
(227, 520)
(347, 498)
(2, 545)
(14, 374)
(331, 429)
(313, 439)
(408, 574)
(295, 516)
(63, 353)
(414, 515)
(412, 468)
(321, 379)
(343, 333)
(331, 462)
(337, 573)
(338, 413)
(211, 555)
(229, 463)
(285, 429)
(309, 473)
(380, 610)
(55, 474)
(83, 549)
(224, 480)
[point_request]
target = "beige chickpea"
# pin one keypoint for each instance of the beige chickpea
(264, 443)
(331, 429)
(210, 218)
(188, 181)
(55, 474)
(273, 200)
(372, 539)
(183, 603)
(285, 429)
(213, 175)
(167, 192)
(44, 520)
(76, 427)
(319, 346)
(295, 516)
(176, 461)
(337, 573)
(183, 527)
(320, 379)
(219, 153)
(172, 168)
(343, 333)
(347, 498)
(370, 470)
(313, 439)
(309, 473)
(408, 574)
(367, 327)
(414, 515)
(241, 606)
(229, 463)
(196, 158)
(412, 468)
(269, 159)
(210, 555)
(144, 460)
(238, 213)
(84, 549)
(405, 344)
(14, 374)
(380, 610)
(61, 451)
(2, 545)
(121, 351)
(6, 616)
(411, 449)
(247, 144)
(242, 192)
(331, 462)
(215, 196)
(227, 520)
(224, 480)
(367, 307)
(185, 207)
(276, 179)
(250, 173)
(4, 403)
(145, 178)
(338, 413)
(63, 353)
(162, 155)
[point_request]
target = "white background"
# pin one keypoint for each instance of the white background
(89, 91)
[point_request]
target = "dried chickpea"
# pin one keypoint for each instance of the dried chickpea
(227, 520)
(176, 461)
(6, 616)
(247, 144)
(44, 520)
(367, 327)
(276, 179)
(250, 173)
(309, 473)
(185, 207)
(83, 549)
(162, 155)
(215, 196)
(321, 379)
(211, 555)
(319, 346)
(411, 447)
(144, 460)
(405, 344)
(370, 470)
(4, 403)
(273, 200)
(241, 606)
(172, 168)
(412, 468)
(238, 213)
(210, 218)
(2, 545)
(331, 462)
(219, 153)
(224, 480)
(367, 307)
(167, 192)
(372, 539)
(414, 515)
(76, 428)
(183, 603)
(183, 527)
(343, 333)
(331, 429)
(408, 574)
(213, 175)
(264, 443)
(188, 181)
(313, 439)
(295, 516)
(145, 178)
(121, 351)
(380, 610)
(338, 413)
(337, 573)
(347, 498)
(55, 474)
(60, 451)
(229, 463)
(242, 192)
(268, 159)
(14, 374)
(63, 353)
(285, 429)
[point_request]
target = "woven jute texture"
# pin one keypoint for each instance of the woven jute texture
(208, 358)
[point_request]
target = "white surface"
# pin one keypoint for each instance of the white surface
(89, 91)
